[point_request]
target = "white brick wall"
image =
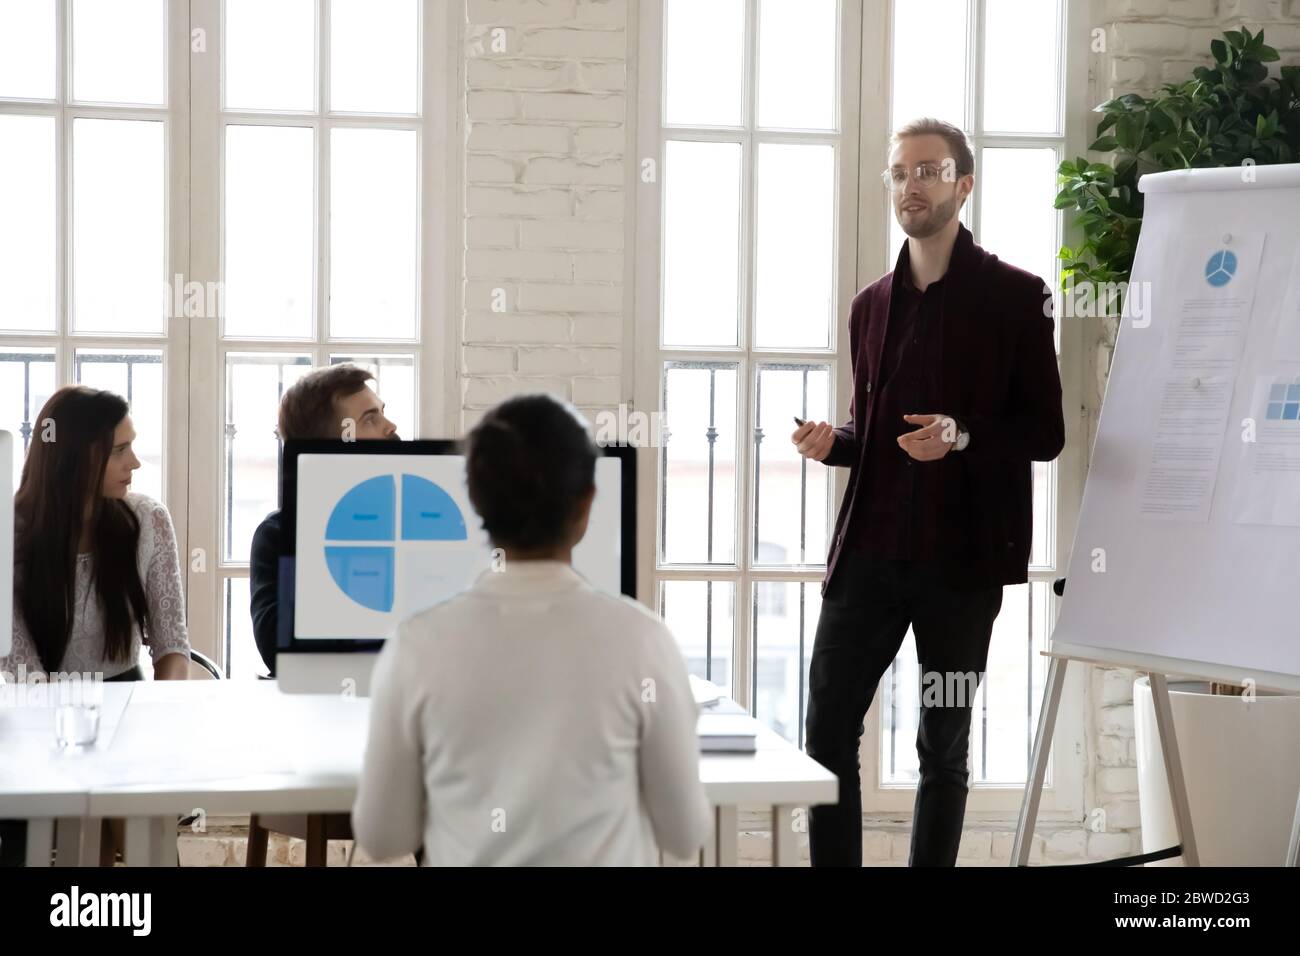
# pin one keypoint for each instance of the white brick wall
(1151, 42)
(545, 123)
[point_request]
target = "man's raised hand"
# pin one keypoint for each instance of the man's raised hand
(814, 440)
(935, 437)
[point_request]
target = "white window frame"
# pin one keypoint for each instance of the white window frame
(645, 237)
(174, 341)
(438, 253)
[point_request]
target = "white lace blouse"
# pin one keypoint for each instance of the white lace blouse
(160, 574)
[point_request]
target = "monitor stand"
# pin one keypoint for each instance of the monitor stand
(314, 673)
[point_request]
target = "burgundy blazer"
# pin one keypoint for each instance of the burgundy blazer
(999, 379)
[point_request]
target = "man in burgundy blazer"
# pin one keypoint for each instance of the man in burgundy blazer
(955, 393)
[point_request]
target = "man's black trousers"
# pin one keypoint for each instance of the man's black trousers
(865, 615)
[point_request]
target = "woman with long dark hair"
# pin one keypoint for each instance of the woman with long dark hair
(532, 719)
(95, 564)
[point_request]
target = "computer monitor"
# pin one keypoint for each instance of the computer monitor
(6, 542)
(374, 531)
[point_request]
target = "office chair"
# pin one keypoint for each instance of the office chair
(317, 829)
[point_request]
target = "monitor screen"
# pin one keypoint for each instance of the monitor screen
(373, 532)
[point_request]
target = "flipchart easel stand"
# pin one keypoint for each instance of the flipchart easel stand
(1060, 656)
(1186, 846)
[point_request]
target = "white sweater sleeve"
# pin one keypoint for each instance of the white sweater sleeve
(388, 817)
(670, 751)
(167, 633)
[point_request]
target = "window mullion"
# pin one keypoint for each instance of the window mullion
(63, 239)
(320, 313)
(975, 68)
(63, 52)
(205, 355)
(62, 190)
(743, 657)
(743, 665)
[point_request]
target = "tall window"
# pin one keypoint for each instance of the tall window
(316, 114)
(85, 157)
(762, 224)
(996, 69)
(754, 222)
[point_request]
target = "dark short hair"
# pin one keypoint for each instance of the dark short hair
(529, 462)
(958, 144)
(308, 409)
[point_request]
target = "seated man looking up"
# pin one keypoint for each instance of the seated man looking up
(333, 402)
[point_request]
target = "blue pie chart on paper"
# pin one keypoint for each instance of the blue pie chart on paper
(1220, 268)
(362, 544)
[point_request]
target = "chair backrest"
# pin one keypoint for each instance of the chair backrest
(207, 663)
(202, 667)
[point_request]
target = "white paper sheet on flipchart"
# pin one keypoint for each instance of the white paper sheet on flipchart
(1267, 490)
(1286, 343)
(1182, 465)
(1197, 371)
(1212, 321)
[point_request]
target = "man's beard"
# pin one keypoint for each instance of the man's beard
(940, 216)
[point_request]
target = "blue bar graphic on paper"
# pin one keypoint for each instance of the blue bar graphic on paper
(429, 513)
(365, 513)
(364, 574)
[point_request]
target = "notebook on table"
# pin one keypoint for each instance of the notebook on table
(724, 726)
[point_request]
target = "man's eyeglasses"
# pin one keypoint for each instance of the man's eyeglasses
(926, 174)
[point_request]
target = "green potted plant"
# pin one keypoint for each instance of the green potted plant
(1229, 114)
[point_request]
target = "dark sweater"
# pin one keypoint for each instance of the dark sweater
(998, 377)
(901, 520)
(263, 586)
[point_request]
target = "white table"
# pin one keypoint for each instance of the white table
(230, 747)
(45, 785)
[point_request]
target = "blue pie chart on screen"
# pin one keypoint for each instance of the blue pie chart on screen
(365, 535)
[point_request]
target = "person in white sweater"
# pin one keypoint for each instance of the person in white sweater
(532, 720)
